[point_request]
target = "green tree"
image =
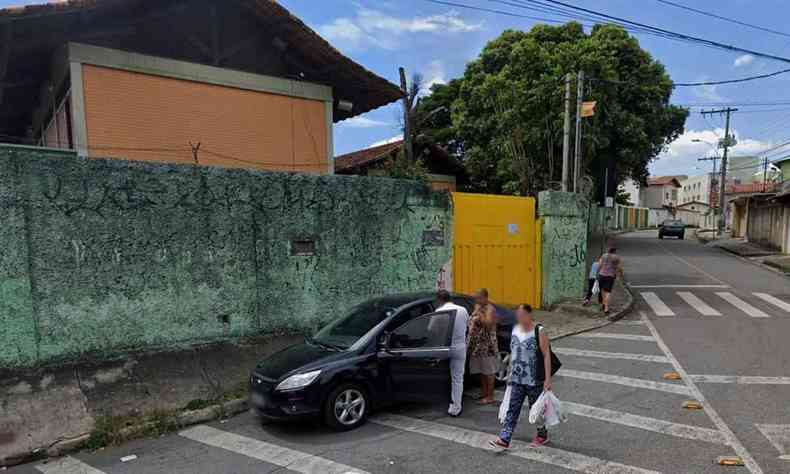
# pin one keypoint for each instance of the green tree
(506, 117)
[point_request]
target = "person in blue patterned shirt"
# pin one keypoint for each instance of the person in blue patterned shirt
(523, 383)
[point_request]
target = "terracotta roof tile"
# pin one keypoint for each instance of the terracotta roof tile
(366, 156)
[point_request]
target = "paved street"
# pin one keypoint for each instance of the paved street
(721, 323)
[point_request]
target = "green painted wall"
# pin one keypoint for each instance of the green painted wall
(565, 221)
(101, 256)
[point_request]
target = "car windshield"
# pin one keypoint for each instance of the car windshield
(343, 332)
(673, 223)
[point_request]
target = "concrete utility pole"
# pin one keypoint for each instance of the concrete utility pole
(407, 145)
(577, 161)
(727, 140)
(566, 138)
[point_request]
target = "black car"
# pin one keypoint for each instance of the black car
(672, 228)
(385, 350)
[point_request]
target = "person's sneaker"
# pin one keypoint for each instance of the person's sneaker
(498, 444)
(539, 441)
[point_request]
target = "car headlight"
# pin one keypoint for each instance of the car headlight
(298, 380)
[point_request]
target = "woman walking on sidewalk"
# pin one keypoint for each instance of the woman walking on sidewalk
(608, 269)
(523, 375)
(483, 347)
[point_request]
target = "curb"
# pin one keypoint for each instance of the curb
(182, 419)
(754, 262)
(625, 311)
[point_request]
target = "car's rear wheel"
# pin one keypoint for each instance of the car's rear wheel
(504, 368)
(346, 407)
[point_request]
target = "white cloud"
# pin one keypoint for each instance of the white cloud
(373, 28)
(709, 93)
(394, 139)
(362, 122)
(743, 60)
(434, 74)
(682, 155)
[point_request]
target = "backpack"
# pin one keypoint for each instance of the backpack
(540, 374)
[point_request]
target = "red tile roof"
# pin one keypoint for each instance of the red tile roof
(662, 181)
(366, 157)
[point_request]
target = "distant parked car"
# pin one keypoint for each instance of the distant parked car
(672, 228)
(388, 349)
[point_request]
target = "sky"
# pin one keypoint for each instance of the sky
(437, 41)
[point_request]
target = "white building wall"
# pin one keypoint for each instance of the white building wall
(695, 188)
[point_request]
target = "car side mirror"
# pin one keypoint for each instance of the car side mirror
(384, 342)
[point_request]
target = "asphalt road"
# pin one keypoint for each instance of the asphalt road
(625, 417)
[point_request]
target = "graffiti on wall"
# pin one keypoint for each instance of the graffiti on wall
(128, 255)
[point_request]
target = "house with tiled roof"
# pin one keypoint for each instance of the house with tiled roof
(445, 172)
(231, 83)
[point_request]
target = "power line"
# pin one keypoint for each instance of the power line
(667, 33)
(731, 81)
(713, 15)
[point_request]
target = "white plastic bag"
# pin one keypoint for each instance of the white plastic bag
(596, 287)
(547, 410)
(505, 405)
(537, 410)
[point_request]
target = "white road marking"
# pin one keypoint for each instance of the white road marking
(278, 455)
(742, 305)
(67, 465)
(610, 355)
(478, 439)
(628, 322)
(645, 423)
(732, 440)
(778, 435)
(741, 379)
(679, 286)
(696, 303)
(627, 381)
(773, 300)
(655, 303)
(614, 335)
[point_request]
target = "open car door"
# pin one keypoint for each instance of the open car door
(416, 358)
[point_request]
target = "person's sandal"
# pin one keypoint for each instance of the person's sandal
(498, 444)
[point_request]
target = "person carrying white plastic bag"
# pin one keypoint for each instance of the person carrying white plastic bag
(526, 379)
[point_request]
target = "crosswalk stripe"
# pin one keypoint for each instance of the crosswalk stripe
(655, 303)
(741, 379)
(627, 381)
(742, 305)
(614, 335)
(627, 322)
(645, 423)
(696, 303)
(610, 355)
(67, 465)
(478, 439)
(278, 455)
(773, 300)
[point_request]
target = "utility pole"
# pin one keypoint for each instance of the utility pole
(577, 161)
(566, 138)
(407, 145)
(765, 175)
(727, 140)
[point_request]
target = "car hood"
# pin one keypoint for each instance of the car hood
(304, 356)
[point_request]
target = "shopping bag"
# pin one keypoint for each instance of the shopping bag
(537, 410)
(505, 405)
(596, 287)
(552, 413)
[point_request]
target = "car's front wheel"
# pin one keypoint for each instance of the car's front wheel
(346, 407)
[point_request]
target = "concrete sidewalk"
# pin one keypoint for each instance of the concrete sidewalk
(779, 262)
(572, 317)
(742, 248)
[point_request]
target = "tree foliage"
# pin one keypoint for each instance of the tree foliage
(505, 115)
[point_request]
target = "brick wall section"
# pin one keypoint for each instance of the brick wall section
(151, 118)
(100, 256)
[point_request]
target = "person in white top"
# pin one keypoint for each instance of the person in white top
(457, 350)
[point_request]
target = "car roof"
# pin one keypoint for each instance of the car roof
(402, 299)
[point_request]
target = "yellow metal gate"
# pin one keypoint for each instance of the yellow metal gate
(497, 246)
